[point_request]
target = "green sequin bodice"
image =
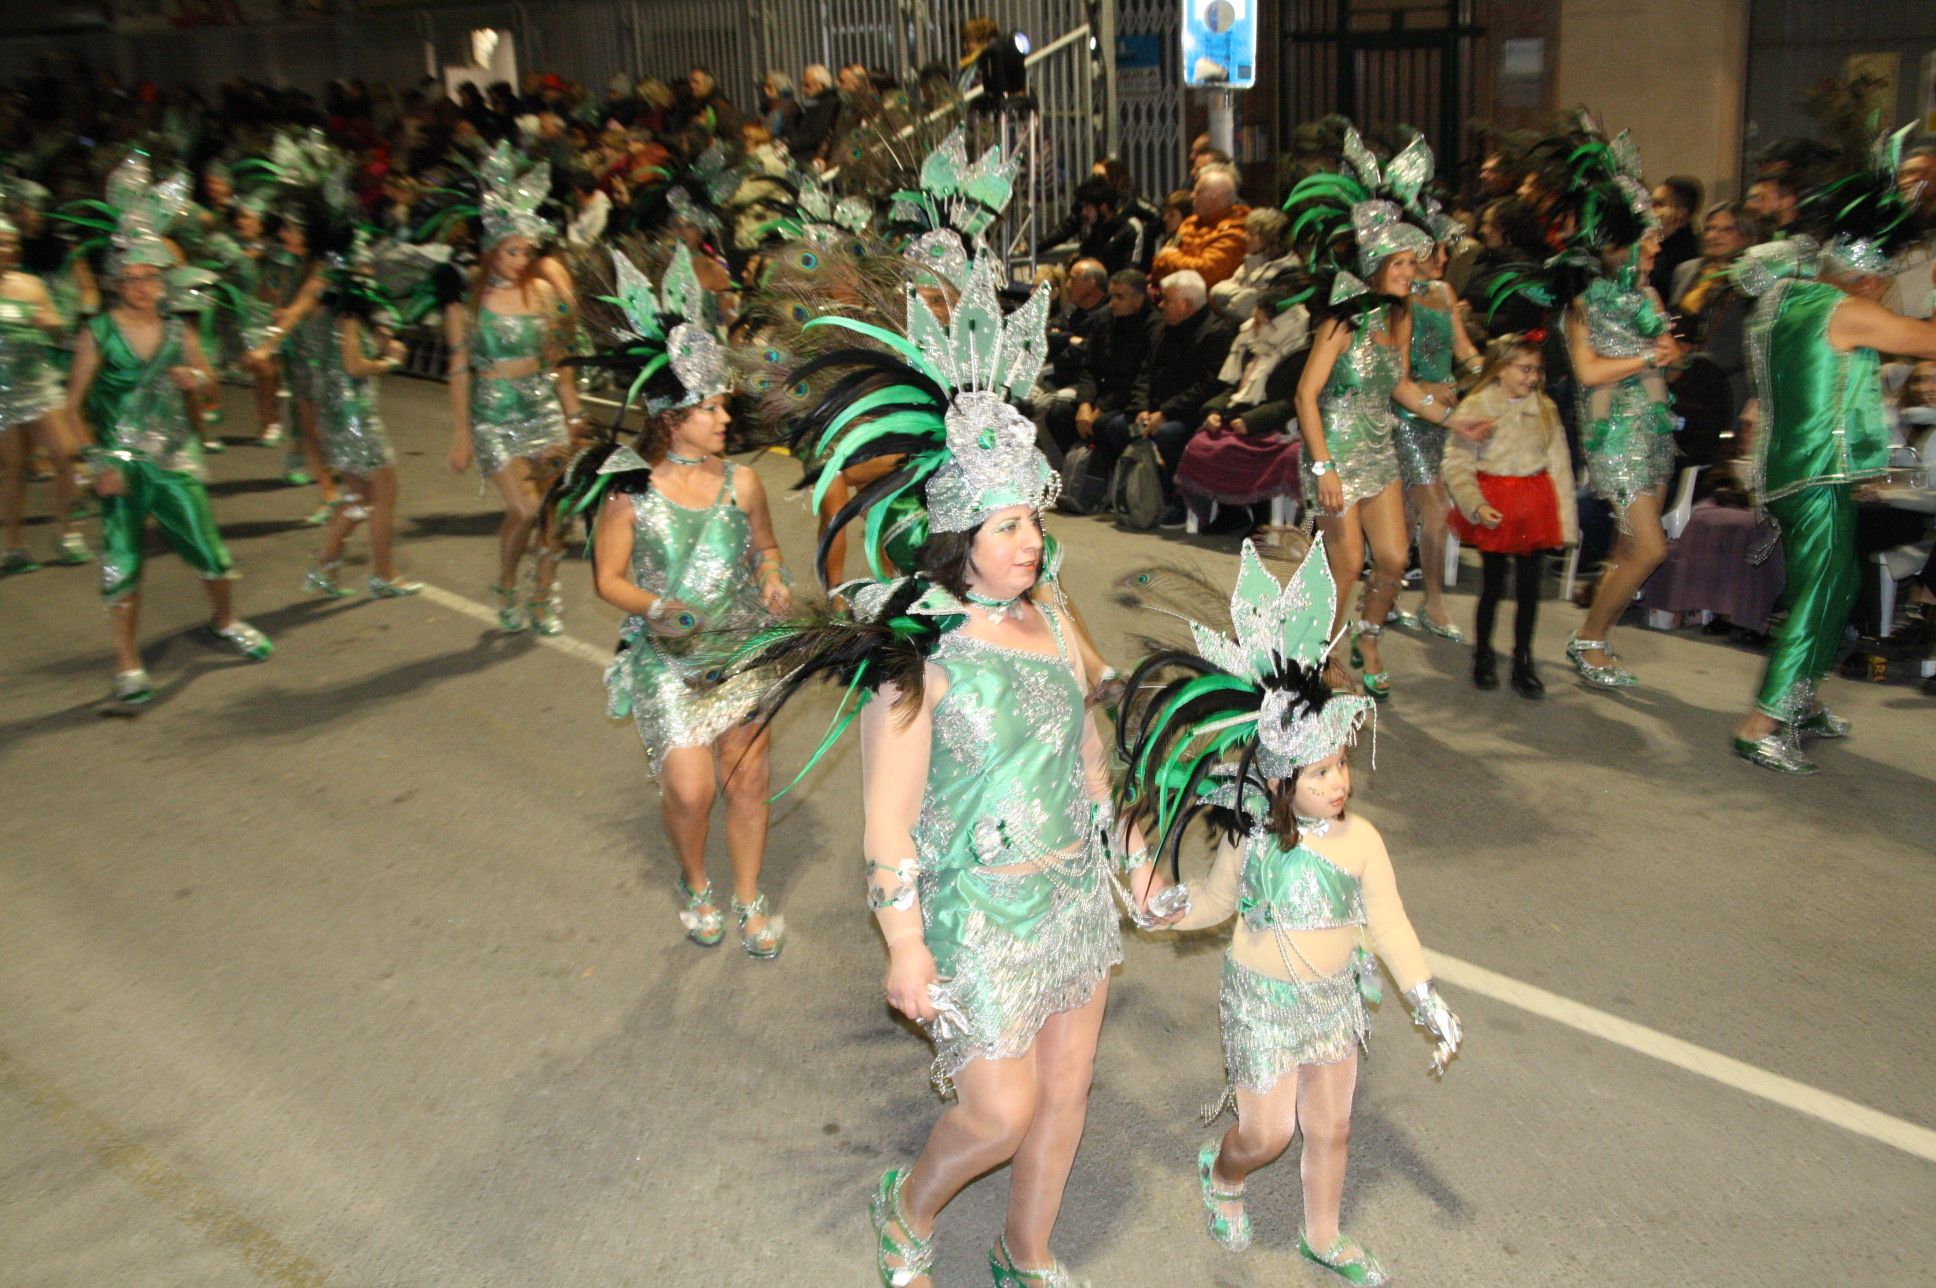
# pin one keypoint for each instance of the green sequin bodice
(1821, 407)
(132, 405)
(1296, 889)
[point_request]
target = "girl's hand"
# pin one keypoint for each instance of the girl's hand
(776, 595)
(1489, 517)
(1145, 883)
(396, 351)
(109, 482)
(1331, 493)
(910, 974)
(1474, 429)
(459, 459)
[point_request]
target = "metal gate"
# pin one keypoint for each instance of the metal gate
(1384, 63)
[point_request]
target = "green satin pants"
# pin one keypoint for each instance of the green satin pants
(1818, 554)
(178, 503)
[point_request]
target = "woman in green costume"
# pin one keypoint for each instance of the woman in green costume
(32, 407)
(1439, 343)
(1363, 249)
(990, 854)
(684, 545)
(300, 335)
(511, 409)
(133, 371)
(1618, 342)
(1813, 350)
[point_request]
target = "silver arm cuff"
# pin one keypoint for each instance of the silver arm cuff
(1430, 1013)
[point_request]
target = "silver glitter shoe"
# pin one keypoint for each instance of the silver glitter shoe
(1777, 751)
(1604, 677)
(133, 689)
(244, 639)
(383, 588)
(766, 942)
(321, 578)
(1446, 632)
(1822, 723)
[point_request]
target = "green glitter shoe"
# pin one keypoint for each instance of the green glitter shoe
(914, 1257)
(1231, 1233)
(1347, 1260)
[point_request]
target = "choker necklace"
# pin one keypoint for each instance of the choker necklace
(677, 459)
(1313, 826)
(996, 610)
(497, 283)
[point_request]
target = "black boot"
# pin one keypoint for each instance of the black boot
(1485, 668)
(1525, 680)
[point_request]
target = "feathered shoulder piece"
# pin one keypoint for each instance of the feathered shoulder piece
(939, 398)
(1210, 722)
(132, 220)
(872, 633)
(1349, 221)
(1864, 219)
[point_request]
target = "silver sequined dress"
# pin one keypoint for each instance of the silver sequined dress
(1626, 428)
(1420, 445)
(514, 417)
(30, 386)
(703, 559)
(1356, 408)
(354, 440)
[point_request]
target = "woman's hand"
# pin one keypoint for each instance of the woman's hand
(1489, 517)
(395, 351)
(670, 619)
(1237, 425)
(1331, 493)
(1213, 419)
(459, 459)
(910, 974)
(1474, 429)
(1667, 350)
(108, 481)
(1146, 881)
(776, 594)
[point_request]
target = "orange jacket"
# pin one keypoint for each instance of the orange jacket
(1214, 249)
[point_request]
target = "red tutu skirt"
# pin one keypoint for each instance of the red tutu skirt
(1532, 513)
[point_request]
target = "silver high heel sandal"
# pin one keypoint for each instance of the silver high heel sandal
(1604, 677)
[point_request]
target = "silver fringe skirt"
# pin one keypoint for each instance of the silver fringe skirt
(1270, 1026)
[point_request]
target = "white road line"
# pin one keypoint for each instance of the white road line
(471, 608)
(1800, 1097)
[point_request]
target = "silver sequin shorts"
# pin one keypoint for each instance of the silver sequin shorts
(1421, 451)
(1270, 1026)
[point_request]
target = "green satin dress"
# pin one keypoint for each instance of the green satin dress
(1824, 430)
(520, 416)
(1421, 446)
(1006, 789)
(1626, 428)
(704, 559)
(1359, 419)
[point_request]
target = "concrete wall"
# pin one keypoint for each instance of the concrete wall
(1672, 71)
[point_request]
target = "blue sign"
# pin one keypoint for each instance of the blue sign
(1220, 43)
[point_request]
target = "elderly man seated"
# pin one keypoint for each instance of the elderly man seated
(1178, 377)
(1211, 241)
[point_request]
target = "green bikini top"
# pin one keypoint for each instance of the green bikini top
(1296, 889)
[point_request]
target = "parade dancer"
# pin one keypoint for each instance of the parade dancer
(32, 408)
(989, 850)
(684, 545)
(1618, 342)
(1813, 350)
(356, 446)
(1239, 723)
(134, 368)
(511, 409)
(1439, 343)
(1364, 253)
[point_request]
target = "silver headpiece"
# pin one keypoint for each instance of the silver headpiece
(511, 197)
(146, 211)
(669, 328)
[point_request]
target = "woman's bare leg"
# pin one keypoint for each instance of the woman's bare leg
(1641, 547)
(1428, 501)
(1065, 1059)
(1383, 520)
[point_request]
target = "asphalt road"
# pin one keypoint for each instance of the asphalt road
(361, 967)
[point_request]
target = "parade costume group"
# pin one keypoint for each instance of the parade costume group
(1004, 837)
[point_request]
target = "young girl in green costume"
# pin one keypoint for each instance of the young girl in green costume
(989, 849)
(133, 370)
(1239, 724)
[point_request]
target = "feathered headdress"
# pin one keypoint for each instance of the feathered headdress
(511, 197)
(132, 221)
(1864, 218)
(1606, 191)
(695, 193)
(1355, 219)
(955, 203)
(665, 345)
(1211, 725)
(939, 399)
